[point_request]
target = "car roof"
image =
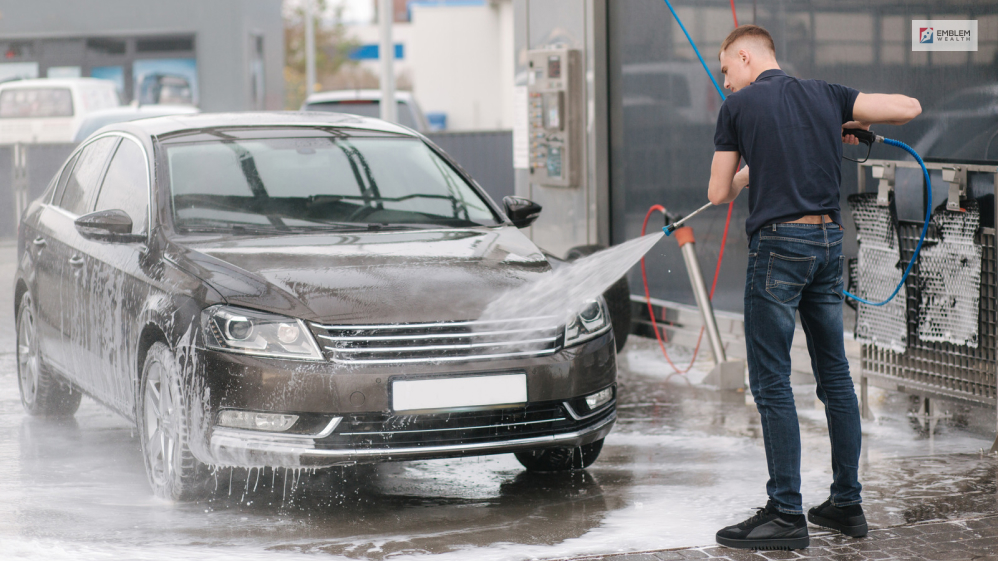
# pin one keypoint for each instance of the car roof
(172, 124)
(57, 82)
(95, 120)
(349, 95)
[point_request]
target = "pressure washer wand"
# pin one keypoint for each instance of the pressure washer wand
(864, 136)
(672, 227)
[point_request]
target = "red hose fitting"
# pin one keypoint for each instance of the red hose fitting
(684, 235)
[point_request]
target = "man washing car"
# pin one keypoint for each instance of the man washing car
(790, 132)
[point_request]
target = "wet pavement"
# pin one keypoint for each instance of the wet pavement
(682, 462)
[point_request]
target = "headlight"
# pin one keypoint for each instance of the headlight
(240, 330)
(592, 321)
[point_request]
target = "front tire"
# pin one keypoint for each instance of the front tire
(42, 393)
(163, 419)
(561, 459)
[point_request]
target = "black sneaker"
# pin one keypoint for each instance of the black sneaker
(768, 529)
(849, 520)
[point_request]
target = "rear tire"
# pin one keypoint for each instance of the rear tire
(163, 419)
(42, 393)
(561, 459)
(618, 297)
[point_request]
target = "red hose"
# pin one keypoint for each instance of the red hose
(717, 269)
(651, 310)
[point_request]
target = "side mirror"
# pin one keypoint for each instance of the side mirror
(107, 226)
(522, 212)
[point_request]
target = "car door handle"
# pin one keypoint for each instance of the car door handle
(76, 261)
(39, 242)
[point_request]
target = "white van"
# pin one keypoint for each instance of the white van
(50, 110)
(367, 103)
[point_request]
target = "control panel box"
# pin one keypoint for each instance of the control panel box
(555, 118)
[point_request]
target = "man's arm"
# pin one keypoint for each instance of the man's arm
(723, 187)
(888, 109)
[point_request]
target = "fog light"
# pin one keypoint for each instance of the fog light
(599, 398)
(271, 422)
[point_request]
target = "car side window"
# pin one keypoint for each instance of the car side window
(125, 185)
(82, 180)
(64, 177)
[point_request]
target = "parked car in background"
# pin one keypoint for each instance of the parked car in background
(367, 103)
(97, 119)
(51, 110)
(165, 89)
(299, 290)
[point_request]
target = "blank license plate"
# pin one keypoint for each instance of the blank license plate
(453, 393)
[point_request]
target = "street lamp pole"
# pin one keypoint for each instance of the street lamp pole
(309, 47)
(387, 53)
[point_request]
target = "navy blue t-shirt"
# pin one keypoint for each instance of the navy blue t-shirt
(790, 133)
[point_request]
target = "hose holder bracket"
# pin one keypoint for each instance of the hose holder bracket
(885, 173)
(956, 177)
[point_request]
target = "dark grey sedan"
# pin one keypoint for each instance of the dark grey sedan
(298, 290)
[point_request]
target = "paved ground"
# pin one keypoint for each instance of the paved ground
(950, 541)
(682, 462)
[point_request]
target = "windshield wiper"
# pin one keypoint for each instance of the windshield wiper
(216, 226)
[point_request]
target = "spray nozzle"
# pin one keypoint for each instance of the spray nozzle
(670, 222)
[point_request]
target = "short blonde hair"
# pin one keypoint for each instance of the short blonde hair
(750, 31)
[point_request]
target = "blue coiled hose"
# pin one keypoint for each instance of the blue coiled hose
(925, 227)
(890, 141)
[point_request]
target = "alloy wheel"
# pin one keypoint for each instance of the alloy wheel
(27, 353)
(162, 424)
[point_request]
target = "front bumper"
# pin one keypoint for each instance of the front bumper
(341, 447)
(369, 430)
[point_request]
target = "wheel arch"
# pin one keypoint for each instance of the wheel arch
(151, 333)
(19, 291)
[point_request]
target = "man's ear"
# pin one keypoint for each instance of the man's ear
(745, 55)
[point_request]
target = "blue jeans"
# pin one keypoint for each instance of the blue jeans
(798, 268)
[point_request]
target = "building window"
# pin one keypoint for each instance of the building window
(164, 44)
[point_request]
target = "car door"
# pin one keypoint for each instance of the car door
(118, 283)
(74, 300)
(49, 253)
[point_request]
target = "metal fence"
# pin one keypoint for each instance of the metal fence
(967, 373)
(486, 155)
(26, 169)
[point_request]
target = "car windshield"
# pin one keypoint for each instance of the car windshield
(334, 182)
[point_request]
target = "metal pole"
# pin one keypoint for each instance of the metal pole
(675, 225)
(387, 53)
(309, 48)
(703, 300)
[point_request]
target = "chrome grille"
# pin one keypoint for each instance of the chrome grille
(440, 342)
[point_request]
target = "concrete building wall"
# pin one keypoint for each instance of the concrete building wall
(222, 30)
(459, 59)
(455, 54)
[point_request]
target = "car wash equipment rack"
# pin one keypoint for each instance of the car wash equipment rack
(939, 337)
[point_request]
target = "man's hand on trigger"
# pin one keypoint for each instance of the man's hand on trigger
(849, 138)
